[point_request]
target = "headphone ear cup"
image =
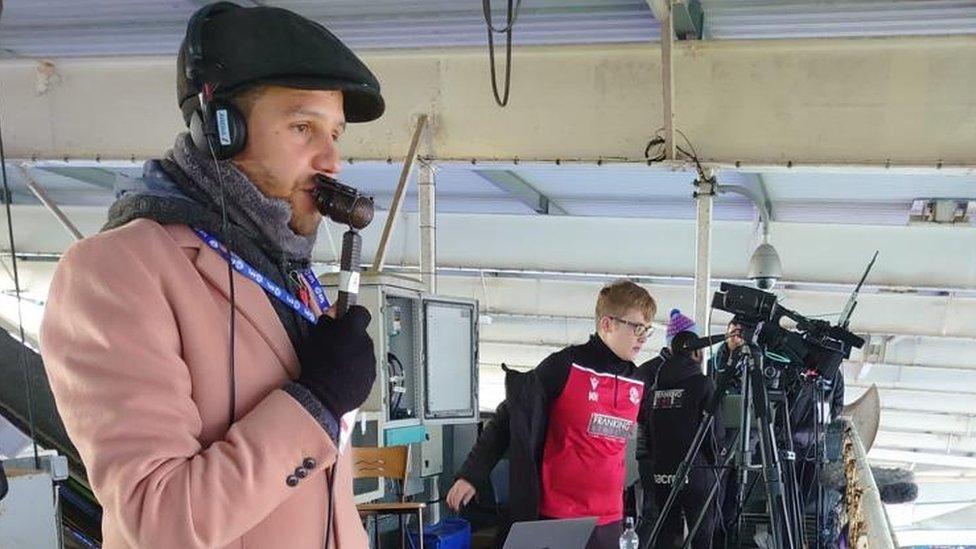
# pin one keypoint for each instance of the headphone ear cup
(226, 127)
(198, 133)
(230, 129)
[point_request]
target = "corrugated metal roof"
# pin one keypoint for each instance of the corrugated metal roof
(805, 19)
(53, 28)
(64, 28)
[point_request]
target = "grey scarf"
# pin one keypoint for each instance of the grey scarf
(167, 194)
(246, 205)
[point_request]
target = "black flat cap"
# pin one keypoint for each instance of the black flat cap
(244, 47)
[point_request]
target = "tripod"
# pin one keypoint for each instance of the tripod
(809, 483)
(782, 497)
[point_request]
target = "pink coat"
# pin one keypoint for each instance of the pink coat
(135, 342)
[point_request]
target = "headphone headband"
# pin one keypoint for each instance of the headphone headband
(194, 40)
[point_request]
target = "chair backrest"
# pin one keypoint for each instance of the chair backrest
(387, 462)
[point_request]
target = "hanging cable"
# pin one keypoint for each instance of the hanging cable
(230, 282)
(513, 12)
(7, 199)
(654, 152)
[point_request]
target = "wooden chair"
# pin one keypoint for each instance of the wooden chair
(389, 462)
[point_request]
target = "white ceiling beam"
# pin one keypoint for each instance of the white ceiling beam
(928, 537)
(919, 378)
(946, 444)
(520, 189)
(828, 102)
(910, 421)
(911, 259)
(905, 456)
(922, 401)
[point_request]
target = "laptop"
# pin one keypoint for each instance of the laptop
(551, 534)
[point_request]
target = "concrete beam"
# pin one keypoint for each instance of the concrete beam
(860, 102)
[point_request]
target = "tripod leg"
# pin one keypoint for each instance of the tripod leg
(719, 476)
(745, 450)
(772, 472)
(794, 503)
(680, 476)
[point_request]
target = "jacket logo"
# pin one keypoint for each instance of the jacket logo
(634, 395)
(667, 479)
(667, 400)
(664, 479)
(593, 395)
(610, 426)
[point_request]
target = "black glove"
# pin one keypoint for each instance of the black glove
(338, 363)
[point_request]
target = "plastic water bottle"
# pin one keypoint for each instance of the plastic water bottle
(629, 539)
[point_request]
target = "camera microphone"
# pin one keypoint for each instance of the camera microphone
(692, 344)
(788, 323)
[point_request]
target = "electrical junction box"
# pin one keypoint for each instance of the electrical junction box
(29, 515)
(426, 352)
(427, 370)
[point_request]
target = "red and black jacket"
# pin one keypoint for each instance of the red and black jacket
(547, 415)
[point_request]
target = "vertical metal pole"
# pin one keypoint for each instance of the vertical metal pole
(667, 79)
(428, 226)
(703, 244)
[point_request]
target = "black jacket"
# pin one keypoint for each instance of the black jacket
(681, 393)
(520, 422)
(648, 371)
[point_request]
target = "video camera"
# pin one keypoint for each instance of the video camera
(813, 343)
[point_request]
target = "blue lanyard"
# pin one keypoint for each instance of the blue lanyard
(282, 295)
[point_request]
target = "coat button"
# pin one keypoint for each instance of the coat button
(291, 480)
(309, 463)
(301, 472)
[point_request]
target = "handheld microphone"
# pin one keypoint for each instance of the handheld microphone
(343, 204)
(352, 245)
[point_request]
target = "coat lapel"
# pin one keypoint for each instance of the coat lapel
(250, 299)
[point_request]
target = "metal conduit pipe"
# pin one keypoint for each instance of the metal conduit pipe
(428, 225)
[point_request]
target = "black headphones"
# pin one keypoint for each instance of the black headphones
(216, 125)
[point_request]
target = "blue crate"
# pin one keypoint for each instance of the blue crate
(449, 533)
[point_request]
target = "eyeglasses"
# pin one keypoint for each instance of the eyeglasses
(640, 330)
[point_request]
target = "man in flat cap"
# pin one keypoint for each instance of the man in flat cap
(195, 434)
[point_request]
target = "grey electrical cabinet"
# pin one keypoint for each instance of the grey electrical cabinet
(426, 356)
